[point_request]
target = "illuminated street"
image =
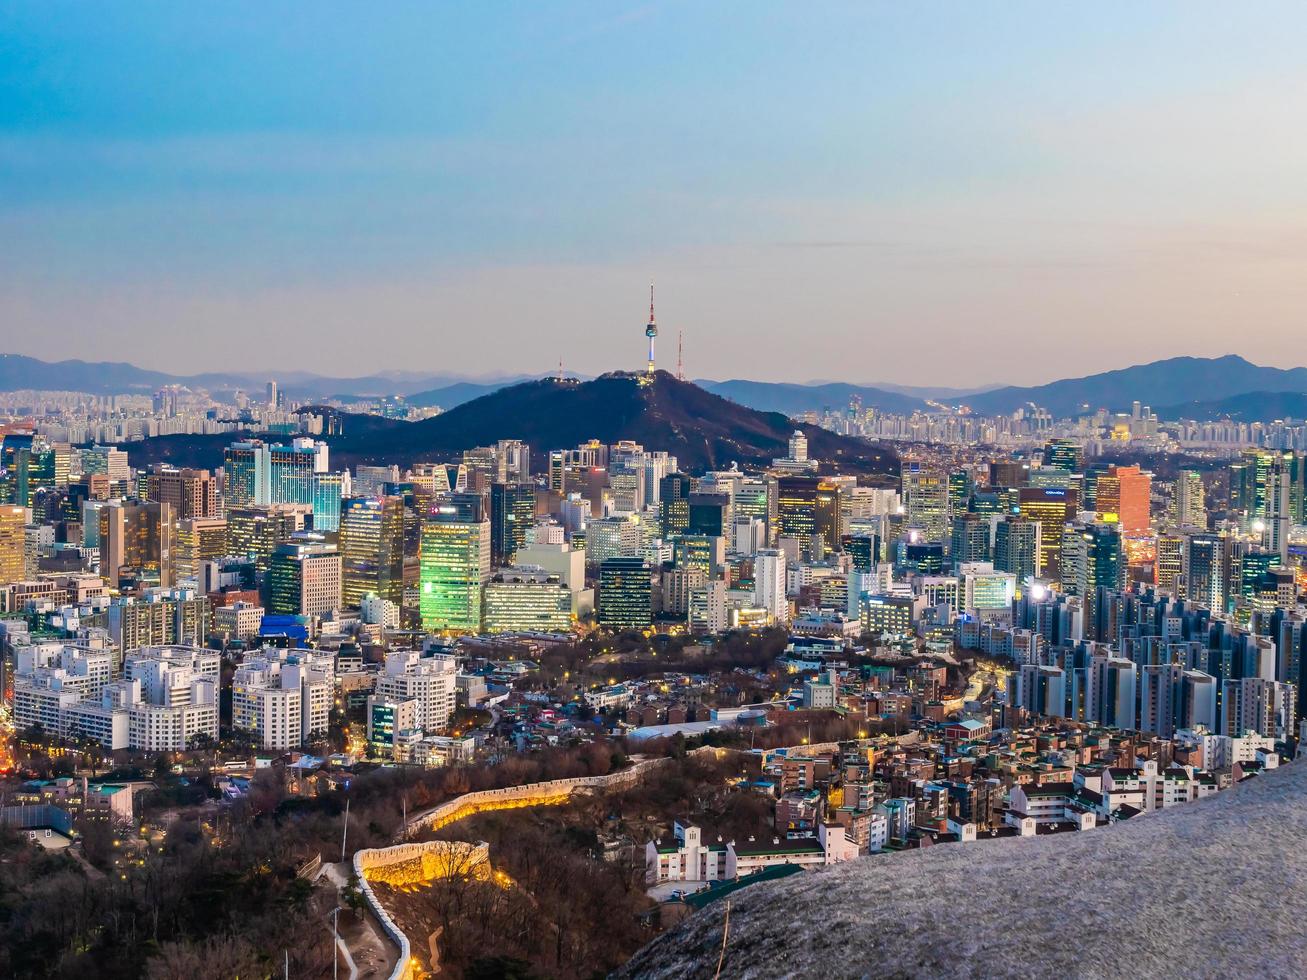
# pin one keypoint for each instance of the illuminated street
(7, 736)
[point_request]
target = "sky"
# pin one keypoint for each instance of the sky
(934, 193)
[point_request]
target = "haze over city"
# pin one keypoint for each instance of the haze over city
(1096, 188)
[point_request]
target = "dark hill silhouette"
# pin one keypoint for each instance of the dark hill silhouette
(795, 399)
(701, 429)
(1251, 406)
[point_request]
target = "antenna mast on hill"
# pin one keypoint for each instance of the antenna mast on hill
(651, 330)
(680, 363)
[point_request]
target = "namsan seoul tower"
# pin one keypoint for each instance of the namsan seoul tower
(651, 330)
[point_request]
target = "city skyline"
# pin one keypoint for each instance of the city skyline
(631, 488)
(1093, 192)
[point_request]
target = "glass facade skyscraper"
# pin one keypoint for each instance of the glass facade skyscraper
(512, 512)
(455, 564)
(808, 506)
(372, 548)
(256, 473)
(674, 504)
(625, 593)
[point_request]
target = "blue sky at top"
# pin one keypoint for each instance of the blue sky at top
(817, 188)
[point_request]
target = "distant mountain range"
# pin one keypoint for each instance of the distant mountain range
(701, 429)
(1192, 387)
(1171, 382)
(19, 372)
(1179, 387)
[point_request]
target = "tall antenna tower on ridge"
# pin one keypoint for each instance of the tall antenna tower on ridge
(680, 350)
(651, 329)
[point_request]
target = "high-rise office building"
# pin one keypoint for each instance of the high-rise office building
(626, 491)
(13, 521)
(327, 491)
(137, 541)
(1205, 570)
(674, 504)
(256, 473)
(808, 507)
(625, 593)
(1016, 548)
(1254, 568)
(1093, 558)
(748, 534)
(1122, 497)
(926, 501)
(609, 537)
(455, 564)
(291, 469)
(1280, 487)
(304, 579)
(960, 486)
(887, 614)
(1065, 454)
(372, 549)
(199, 539)
(970, 538)
(709, 514)
(526, 599)
(255, 530)
(298, 474)
(706, 611)
(1110, 694)
(190, 493)
(863, 549)
(1052, 507)
(677, 586)
(558, 471)
(15, 456)
(1252, 478)
(706, 552)
(1190, 500)
(1009, 473)
(1168, 565)
(246, 474)
(32, 468)
(507, 461)
(109, 460)
(512, 512)
(769, 584)
(756, 498)
(986, 593)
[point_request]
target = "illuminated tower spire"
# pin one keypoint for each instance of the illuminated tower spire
(651, 330)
